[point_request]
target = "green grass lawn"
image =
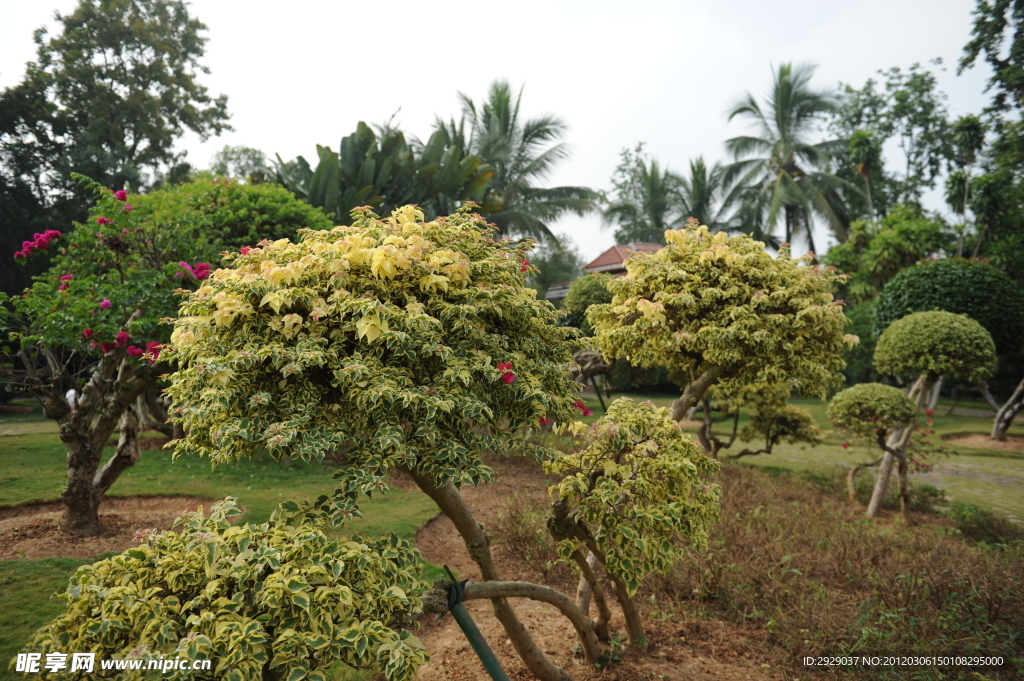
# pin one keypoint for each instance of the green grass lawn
(32, 468)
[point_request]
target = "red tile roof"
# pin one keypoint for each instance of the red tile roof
(615, 257)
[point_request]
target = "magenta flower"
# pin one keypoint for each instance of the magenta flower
(121, 195)
(87, 333)
(127, 208)
(105, 304)
(244, 250)
(122, 338)
(62, 287)
(106, 347)
(504, 366)
(508, 377)
(524, 266)
(134, 351)
(153, 349)
(67, 277)
(544, 421)
(103, 221)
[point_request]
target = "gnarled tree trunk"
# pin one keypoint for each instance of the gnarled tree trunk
(694, 393)
(919, 392)
(1007, 412)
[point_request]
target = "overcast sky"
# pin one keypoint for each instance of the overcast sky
(305, 72)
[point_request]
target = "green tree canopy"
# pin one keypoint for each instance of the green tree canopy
(715, 309)
(871, 410)
(556, 262)
(590, 289)
(935, 344)
(968, 287)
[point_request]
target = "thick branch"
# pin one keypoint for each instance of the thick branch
(127, 454)
(694, 392)
(595, 590)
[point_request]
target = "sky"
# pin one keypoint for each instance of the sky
(303, 73)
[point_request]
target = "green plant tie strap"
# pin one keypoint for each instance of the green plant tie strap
(455, 594)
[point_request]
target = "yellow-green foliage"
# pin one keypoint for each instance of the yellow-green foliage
(278, 600)
(713, 301)
(936, 344)
(590, 289)
(383, 339)
(867, 409)
(639, 486)
(777, 423)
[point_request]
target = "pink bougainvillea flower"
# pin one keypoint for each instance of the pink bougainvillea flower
(201, 270)
(67, 277)
(106, 347)
(544, 421)
(87, 333)
(104, 304)
(244, 250)
(504, 366)
(153, 349)
(845, 445)
(103, 221)
(62, 287)
(524, 266)
(122, 338)
(134, 351)
(508, 377)
(127, 208)
(121, 195)
(929, 412)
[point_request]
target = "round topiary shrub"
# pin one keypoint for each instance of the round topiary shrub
(264, 602)
(871, 410)
(936, 344)
(961, 286)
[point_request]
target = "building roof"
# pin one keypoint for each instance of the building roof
(558, 291)
(615, 257)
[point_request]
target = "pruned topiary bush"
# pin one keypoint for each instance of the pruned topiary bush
(278, 600)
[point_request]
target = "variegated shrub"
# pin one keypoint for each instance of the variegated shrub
(273, 601)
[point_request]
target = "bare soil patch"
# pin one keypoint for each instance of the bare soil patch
(33, 531)
(1013, 443)
(700, 651)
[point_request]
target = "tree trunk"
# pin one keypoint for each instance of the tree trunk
(451, 503)
(904, 469)
(919, 392)
(933, 397)
(1006, 414)
(851, 487)
(152, 414)
(694, 392)
(590, 586)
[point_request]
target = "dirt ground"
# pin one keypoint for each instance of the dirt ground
(32, 531)
(695, 650)
(1013, 443)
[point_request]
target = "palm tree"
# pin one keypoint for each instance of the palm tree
(520, 153)
(701, 196)
(790, 173)
(647, 199)
(866, 155)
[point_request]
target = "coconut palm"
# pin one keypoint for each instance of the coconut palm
(701, 195)
(646, 200)
(791, 172)
(521, 153)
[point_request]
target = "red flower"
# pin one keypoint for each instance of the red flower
(524, 266)
(134, 351)
(105, 304)
(122, 338)
(544, 421)
(929, 412)
(127, 208)
(67, 277)
(504, 366)
(106, 347)
(62, 287)
(103, 221)
(121, 195)
(244, 250)
(586, 412)
(87, 333)
(153, 348)
(508, 377)
(845, 445)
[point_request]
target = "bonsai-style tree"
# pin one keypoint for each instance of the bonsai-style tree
(258, 602)
(400, 343)
(718, 310)
(980, 291)
(928, 345)
(876, 411)
(91, 323)
(630, 497)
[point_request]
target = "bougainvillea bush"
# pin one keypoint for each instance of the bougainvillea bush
(634, 496)
(92, 322)
(273, 601)
(719, 311)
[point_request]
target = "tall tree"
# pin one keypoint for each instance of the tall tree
(646, 199)
(994, 21)
(917, 117)
(792, 173)
(108, 97)
(702, 196)
(968, 140)
(521, 153)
